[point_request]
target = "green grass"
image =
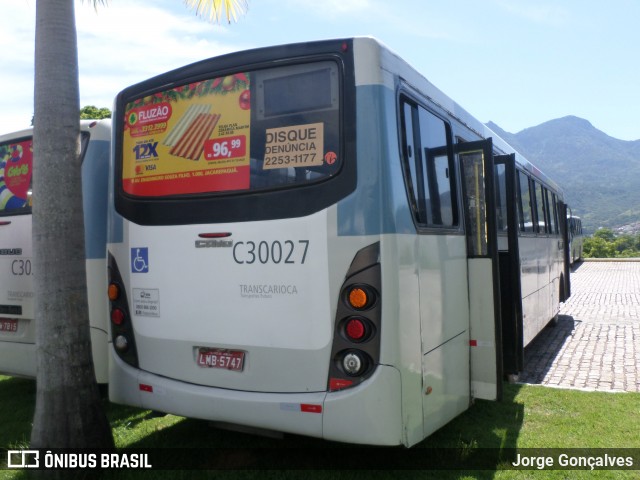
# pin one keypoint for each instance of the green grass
(528, 417)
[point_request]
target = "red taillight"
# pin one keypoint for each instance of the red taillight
(355, 353)
(356, 329)
(310, 408)
(121, 331)
(117, 316)
(339, 383)
(215, 235)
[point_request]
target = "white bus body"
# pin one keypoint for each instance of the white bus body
(17, 333)
(345, 291)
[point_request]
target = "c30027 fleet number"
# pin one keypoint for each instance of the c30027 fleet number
(287, 252)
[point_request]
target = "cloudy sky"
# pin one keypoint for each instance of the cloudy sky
(518, 63)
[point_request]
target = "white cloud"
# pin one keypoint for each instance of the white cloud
(17, 37)
(120, 44)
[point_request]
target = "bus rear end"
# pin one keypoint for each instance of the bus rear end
(233, 298)
(17, 324)
(17, 352)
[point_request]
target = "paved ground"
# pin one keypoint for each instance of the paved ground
(596, 344)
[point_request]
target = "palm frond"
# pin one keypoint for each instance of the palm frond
(213, 9)
(97, 2)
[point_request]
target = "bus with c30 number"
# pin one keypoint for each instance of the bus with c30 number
(313, 239)
(17, 329)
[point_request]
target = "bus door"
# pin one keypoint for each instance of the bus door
(509, 260)
(477, 170)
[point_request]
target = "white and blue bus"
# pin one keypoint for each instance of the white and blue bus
(314, 239)
(17, 329)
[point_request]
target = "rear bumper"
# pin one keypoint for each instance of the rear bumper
(368, 414)
(18, 359)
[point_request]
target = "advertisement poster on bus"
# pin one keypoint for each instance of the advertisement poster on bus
(188, 140)
(16, 167)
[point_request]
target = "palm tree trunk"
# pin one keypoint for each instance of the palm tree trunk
(69, 411)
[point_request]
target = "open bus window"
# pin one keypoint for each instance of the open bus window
(501, 198)
(540, 208)
(16, 165)
(428, 167)
(476, 203)
(253, 130)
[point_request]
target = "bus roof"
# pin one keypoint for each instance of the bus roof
(369, 48)
(27, 132)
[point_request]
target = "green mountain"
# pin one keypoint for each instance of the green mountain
(600, 175)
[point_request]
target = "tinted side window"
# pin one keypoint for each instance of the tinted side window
(553, 212)
(428, 167)
(412, 166)
(540, 209)
(525, 217)
(501, 198)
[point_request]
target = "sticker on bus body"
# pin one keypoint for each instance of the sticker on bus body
(140, 260)
(297, 146)
(146, 302)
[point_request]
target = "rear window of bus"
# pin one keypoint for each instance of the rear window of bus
(249, 131)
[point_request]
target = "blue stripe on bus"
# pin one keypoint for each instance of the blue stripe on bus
(95, 175)
(379, 171)
(116, 229)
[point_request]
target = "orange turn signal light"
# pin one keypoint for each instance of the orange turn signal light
(358, 298)
(113, 292)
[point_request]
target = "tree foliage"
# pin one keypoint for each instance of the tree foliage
(606, 234)
(91, 112)
(606, 244)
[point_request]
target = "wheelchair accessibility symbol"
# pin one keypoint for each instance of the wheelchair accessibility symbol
(140, 260)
